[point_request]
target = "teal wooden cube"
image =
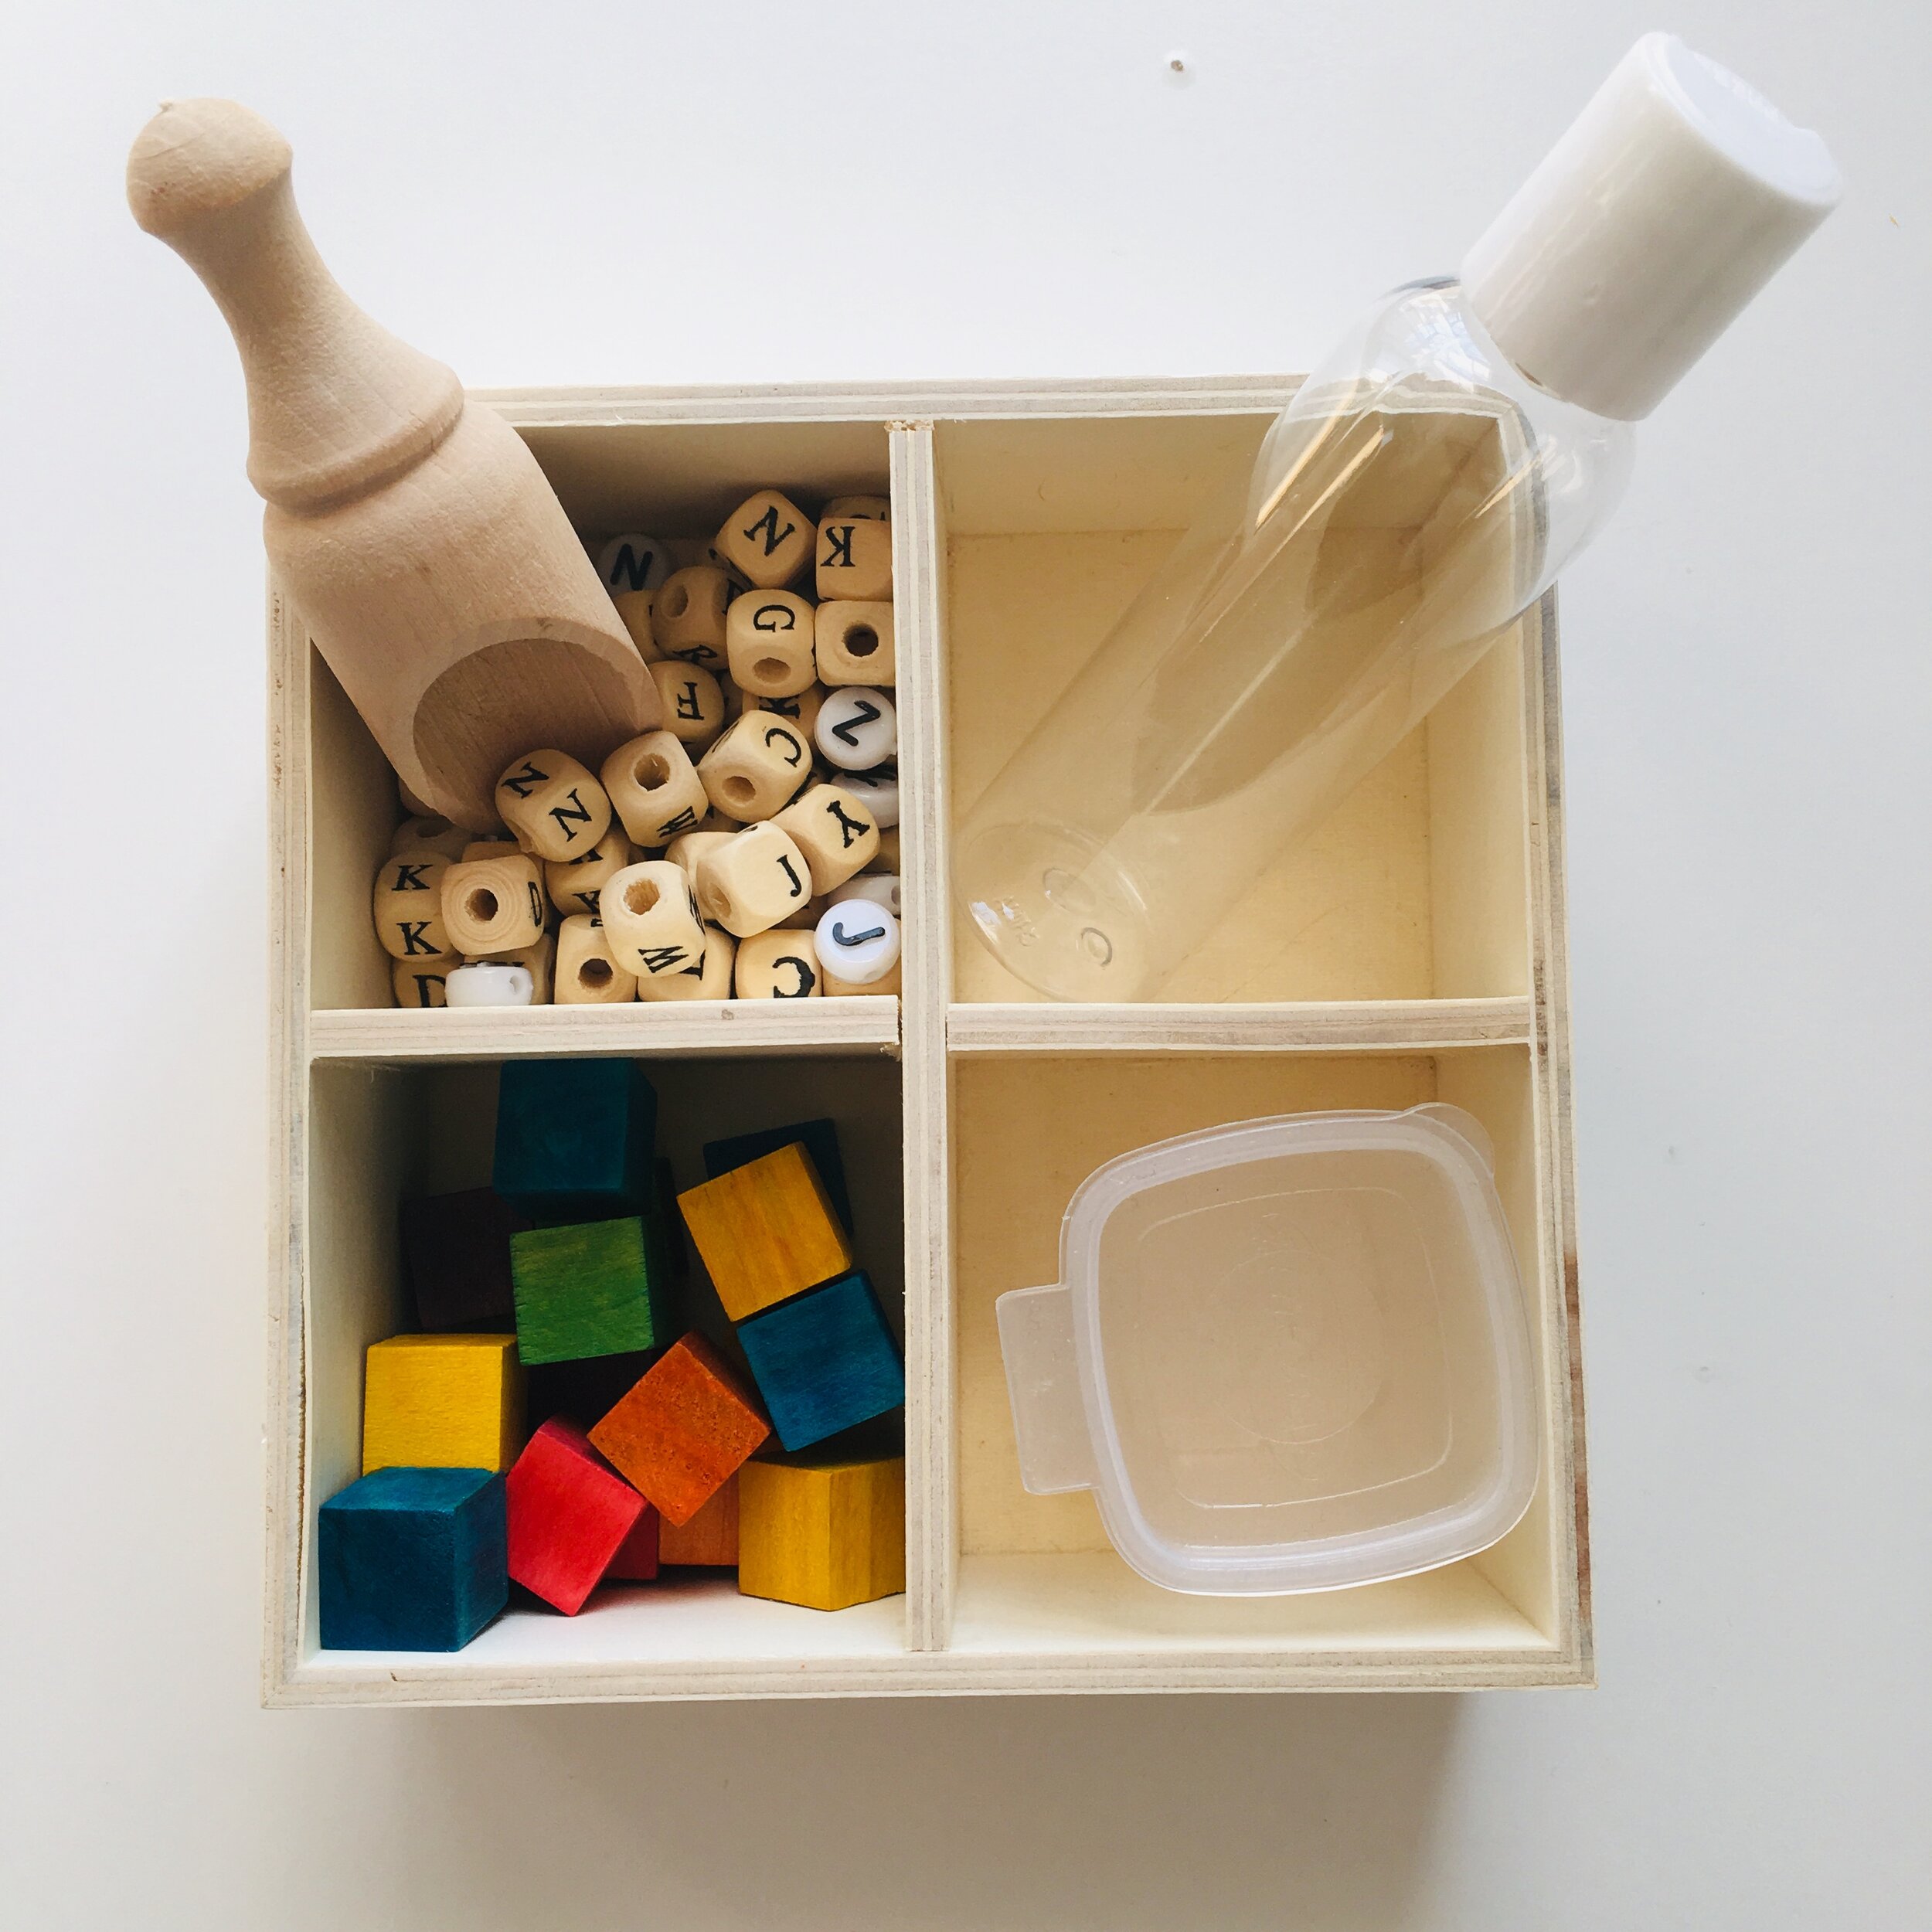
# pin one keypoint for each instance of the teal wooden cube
(590, 1288)
(824, 1361)
(575, 1138)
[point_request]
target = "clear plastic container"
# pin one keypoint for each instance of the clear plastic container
(1286, 1355)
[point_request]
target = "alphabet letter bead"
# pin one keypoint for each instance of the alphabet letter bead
(801, 708)
(683, 1431)
(710, 980)
(882, 888)
(493, 904)
(587, 974)
(412, 1559)
(825, 1361)
(573, 884)
(687, 619)
(408, 906)
(854, 558)
(857, 728)
(835, 831)
(539, 958)
(878, 509)
(766, 1231)
(855, 643)
(570, 1514)
(754, 769)
(635, 607)
(878, 792)
(429, 833)
(442, 1402)
(690, 850)
(633, 562)
(554, 806)
(825, 1535)
(650, 921)
(777, 965)
(693, 698)
(655, 789)
(420, 982)
(489, 982)
(768, 639)
(750, 885)
(575, 1138)
(587, 1289)
(767, 538)
(858, 941)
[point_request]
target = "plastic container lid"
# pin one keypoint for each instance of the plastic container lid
(1675, 196)
(1287, 1355)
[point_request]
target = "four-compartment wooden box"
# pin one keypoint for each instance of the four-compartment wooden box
(1412, 950)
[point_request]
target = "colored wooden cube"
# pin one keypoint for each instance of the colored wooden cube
(825, 1535)
(411, 1559)
(570, 1514)
(575, 1138)
(709, 1541)
(820, 1140)
(588, 1288)
(442, 1402)
(681, 1433)
(824, 1361)
(637, 1560)
(766, 1231)
(456, 1249)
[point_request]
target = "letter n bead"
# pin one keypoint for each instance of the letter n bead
(554, 805)
(768, 538)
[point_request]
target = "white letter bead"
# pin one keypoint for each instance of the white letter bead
(857, 727)
(857, 941)
(486, 982)
(882, 888)
(633, 562)
(878, 792)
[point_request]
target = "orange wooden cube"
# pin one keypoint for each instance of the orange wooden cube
(709, 1539)
(683, 1430)
(767, 1231)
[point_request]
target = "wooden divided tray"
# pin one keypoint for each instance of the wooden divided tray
(1412, 950)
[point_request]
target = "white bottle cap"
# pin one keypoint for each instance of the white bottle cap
(1675, 197)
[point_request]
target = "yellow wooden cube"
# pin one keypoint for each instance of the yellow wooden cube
(825, 1536)
(767, 1231)
(442, 1402)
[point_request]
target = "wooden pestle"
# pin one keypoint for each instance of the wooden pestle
(431, 561)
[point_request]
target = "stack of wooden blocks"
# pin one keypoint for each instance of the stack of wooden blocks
(711, 858)
(557, 1292)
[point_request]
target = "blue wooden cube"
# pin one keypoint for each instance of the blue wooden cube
(820, 1139)
(413, 1560)
(575, 1138)
(824, 1360)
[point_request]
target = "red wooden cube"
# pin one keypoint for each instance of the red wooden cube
(637, 1559)
(570, 1513)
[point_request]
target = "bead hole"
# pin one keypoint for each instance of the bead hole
(740, 792)
(860, 640)
(594, 974)
(652, 771)
(481, 905)
(640, 895)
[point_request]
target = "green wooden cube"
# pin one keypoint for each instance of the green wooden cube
(592, 1288)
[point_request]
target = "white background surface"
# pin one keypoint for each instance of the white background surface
(577, 192)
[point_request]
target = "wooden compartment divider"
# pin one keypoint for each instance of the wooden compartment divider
(1414, 951)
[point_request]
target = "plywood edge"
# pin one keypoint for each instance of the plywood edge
(720, 1027)
(599, 406)
(1393, 1026)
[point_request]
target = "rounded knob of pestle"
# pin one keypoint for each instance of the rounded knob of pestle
(198, 157)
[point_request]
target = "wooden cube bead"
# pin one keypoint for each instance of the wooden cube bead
(684, 1430)
(587, 1288)
(709, 1540)
(858, 727)
(442, 1402)
(575, 1139)
(766, 1231)
(569, 1513)
(424, 832)
(858, 941)
(768, 538)
(769, 643)
(456, 1252)
(882, 888)
(573, 884)
(651, 919)
(586, 973)
(633, 562)
(635, 607)
(854, 644)
(693, 698)
(825, 1535)
(690, 850)
(655, 789)
(751, 773)
(687, 619)
(750, 885)
(801, 707)
(407, 906)
(710, 979)
(825, 1361)
(878, 792)
(489, 982)
(412, 1559)
(777, 965)
(554, 807)
(837, 989)
(421, 982)
(493, 904)
(854, 559)
(877, 509)
(835, 831)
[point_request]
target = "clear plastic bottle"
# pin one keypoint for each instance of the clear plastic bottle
(1422, 489)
